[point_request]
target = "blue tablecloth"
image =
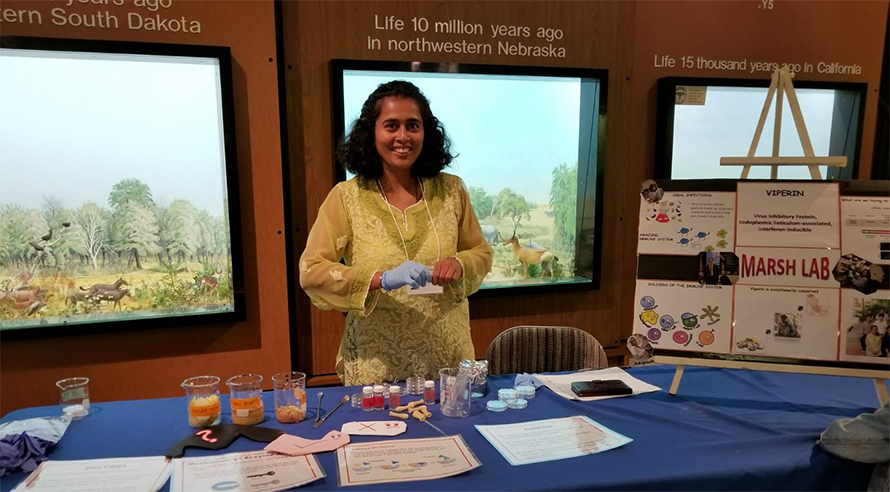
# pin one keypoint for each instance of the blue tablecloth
(725, 430)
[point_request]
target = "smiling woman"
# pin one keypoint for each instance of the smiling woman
(397, 149)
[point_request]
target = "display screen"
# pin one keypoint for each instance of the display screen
(528, 147)
(114, 184)
(704, 120)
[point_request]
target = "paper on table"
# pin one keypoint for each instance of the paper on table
(403, 460)
(379, 428)
(298, 446)
(105, 475)
(561, 384)
(256, 471)
(551, 439)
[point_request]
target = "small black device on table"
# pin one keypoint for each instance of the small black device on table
(601, 387)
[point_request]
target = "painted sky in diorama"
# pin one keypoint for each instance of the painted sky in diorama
(112, 189)
(517, 142)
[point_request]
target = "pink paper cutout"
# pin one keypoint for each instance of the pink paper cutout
(299, 446)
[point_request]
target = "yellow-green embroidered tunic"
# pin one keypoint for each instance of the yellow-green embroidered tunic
(390, 335)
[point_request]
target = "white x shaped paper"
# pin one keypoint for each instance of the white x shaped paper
(378, 428)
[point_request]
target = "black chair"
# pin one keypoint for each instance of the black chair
(544, 349)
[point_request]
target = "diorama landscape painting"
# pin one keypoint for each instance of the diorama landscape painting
(113, 197)
(516, 139)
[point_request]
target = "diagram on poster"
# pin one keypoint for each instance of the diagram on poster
(686, 223)
(788, 214)
(864, 322)
(866, 227)
(793, 322)
(684, 315)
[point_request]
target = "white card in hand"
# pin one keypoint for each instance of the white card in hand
(382, 428)
(428, 289)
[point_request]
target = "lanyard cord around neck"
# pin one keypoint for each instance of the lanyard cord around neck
(432, 223)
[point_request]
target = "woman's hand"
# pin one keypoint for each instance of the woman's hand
(447, 271)
(409, 273)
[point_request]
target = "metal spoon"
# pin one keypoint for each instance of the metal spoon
(344, 400)
(318, 408)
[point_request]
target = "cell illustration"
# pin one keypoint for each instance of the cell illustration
(681, 337)
(648, 302)
(706, 338)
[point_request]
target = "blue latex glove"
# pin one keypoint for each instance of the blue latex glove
(408, 273)
(526, 378)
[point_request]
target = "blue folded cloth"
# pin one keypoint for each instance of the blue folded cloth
(21, 452)
(24, 443)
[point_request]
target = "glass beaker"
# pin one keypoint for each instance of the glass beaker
(290, 396)
(202, 393)
(454, 392)
(74, 397)
(246, 399)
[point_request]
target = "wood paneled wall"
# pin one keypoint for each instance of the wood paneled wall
(623, 37)
(596, 34)
(152, 363)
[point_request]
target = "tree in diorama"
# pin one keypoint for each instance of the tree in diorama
(131, 198)
(137, 230)
(482, 202)
(91, 228)
(55, 215)
(179, 230)
(14, 236)
(209, 246)
(513, 205)
(563, 203)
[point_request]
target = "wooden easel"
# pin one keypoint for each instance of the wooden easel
(779, 86)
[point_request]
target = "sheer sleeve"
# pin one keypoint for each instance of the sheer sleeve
(473, 251)
(329, 283)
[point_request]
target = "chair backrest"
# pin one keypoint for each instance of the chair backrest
(544, 349)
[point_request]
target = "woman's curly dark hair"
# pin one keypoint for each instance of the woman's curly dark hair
(358, 151)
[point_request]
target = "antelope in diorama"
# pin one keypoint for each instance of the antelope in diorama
(531, 256)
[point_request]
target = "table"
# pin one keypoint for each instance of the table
(725, 430)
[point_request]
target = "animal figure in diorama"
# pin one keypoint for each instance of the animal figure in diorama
(531, 256)
(44, 250)
(112, 296)
(106, 287)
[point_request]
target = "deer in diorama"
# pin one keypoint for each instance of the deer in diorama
(112, 296)
(116, 286)
(531, 256)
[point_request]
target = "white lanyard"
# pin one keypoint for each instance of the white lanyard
(432, 223)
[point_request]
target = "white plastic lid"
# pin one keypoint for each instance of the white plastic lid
(496, 406)
(367, 389)
(378, 388)
(518, 404)
(394, 389)
(430, 383)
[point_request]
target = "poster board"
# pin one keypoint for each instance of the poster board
(781, 272)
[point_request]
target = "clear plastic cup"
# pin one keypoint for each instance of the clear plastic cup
(74, 397)
(454, 392)
(290, 396)
(246, 398)
(202, 393)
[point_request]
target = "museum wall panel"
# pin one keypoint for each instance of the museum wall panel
(152, 363)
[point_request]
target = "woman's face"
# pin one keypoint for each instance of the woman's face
(398, 133)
